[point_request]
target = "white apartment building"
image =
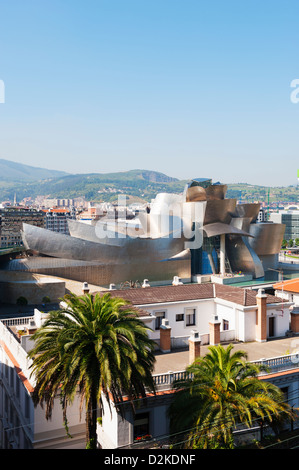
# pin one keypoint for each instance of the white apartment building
(22, 426)
(191, 307)
(56, 219)
(288, 290)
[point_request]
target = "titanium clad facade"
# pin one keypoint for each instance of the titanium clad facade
(181, 235)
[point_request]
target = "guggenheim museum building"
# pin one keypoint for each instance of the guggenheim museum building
(186, 236)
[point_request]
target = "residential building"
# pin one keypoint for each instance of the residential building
(11, 221)
(289, 290)
(22, 426)
(56, 219)
(289, 217)
(190, 307)
(185, 320)
(151, 417)
(262, 215)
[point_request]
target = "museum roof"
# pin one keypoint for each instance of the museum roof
(163, 294)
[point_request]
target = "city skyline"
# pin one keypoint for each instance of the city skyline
(182, 88)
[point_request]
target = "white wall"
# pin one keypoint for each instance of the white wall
(281, 320)
(204, 311)
(108, 432)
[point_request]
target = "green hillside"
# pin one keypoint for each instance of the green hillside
(141, 184)
(99, 187)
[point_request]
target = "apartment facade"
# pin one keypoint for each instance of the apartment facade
(11, 220)
(289, 291)
(149, 425)
(291, 220)
(56, 219)
(22, 426)
(191, 307)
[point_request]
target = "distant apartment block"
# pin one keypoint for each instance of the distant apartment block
(11, 220)
(56, 219)
(58, 202)
(262, 215)
(289, 217)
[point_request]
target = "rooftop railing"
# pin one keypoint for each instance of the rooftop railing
(275, 364)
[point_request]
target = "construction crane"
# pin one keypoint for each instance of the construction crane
(268, 209)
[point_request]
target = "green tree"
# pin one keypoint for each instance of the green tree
(221, 391)
(96, 344)
(297, 241)
(290, 243)
(284, 244)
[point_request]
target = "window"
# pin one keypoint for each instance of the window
(179, 317)
(225, 325)
(285, 391)
(159, 317)
(190, 316)
(141, 425)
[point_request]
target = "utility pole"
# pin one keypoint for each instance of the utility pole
(280, 271)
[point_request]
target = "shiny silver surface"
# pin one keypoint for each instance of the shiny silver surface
(142, 250)
(196, 192)
(267, 237)
(242, 257)
(158, 246)
(219, 211)
(212, 230)
(249, 210)
(102, 274)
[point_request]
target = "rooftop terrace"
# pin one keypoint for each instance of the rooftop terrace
(280, 355)
(178, 360)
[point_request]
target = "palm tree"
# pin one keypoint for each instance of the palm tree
(96, 344)
(221, 391)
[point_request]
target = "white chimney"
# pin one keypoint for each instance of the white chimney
(177, 281)
(85, 288)
(145, 283)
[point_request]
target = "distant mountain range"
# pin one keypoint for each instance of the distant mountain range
(27, 181)
(138, 185)
(20, 172)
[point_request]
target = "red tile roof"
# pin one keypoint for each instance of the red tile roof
(291, 285)
(185, 292)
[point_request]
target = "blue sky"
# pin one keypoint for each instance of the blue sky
(190, 88)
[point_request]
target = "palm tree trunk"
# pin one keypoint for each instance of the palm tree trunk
(91, 423)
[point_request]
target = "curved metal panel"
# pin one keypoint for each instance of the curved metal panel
(215, 229)
(249, 210)
(198, 193)
(64, 246)
(101, 274)
(242, 257)
(100, 232)
(219, 211)
(216, 191)
(268, 237)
